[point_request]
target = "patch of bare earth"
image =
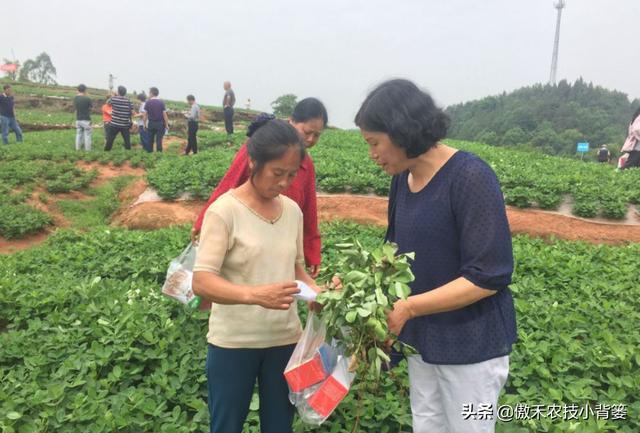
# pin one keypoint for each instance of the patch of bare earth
(106, 172)
(138, 211)
(174, 144)
(8, 246)
(536, 223)
(157, 214)
(361, 209)
(373, 210)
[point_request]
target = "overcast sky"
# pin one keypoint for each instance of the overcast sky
(336, 50)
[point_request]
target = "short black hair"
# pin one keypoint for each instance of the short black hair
(82, 88)
(122, 90)
(308, 109)
(406, 113)
(270, 141)
(153, 91)
(191, 98)
(142, 97)
(635, 115)
(6, 86)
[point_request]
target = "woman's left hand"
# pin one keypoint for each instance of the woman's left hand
(397, 317)
(314, 270)
(313, 305)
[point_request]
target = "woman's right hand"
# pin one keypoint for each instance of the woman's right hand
(277, 296)
(195, 235)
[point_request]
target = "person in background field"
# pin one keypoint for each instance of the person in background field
(228, 102)
(603, 154)
(632, 144)
(7, 115)
(249, 255)
(144, 134)
(121, 114)
(107, 111)
(309, 118)
(248, 104)
(192, 125)
(446, 206)
(82, 103)
(156, 119)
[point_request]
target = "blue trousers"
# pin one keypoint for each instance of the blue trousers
(231, 377)
(228, 119)
(144, 137)
(155, 131)
(10, 123)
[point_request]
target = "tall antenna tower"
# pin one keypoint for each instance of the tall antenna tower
(560, 4)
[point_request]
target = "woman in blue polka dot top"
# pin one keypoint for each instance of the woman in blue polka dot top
(445, 205)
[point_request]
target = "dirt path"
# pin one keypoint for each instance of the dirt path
(373, 210)
(106, 172)
(175, 144)
(151, 215)
(8, 246)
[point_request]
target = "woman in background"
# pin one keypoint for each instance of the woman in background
(309, 119)
(632, 144)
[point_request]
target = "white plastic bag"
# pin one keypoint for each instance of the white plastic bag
(319, 401)
(317, 374)
(177, 284)
(306, 366)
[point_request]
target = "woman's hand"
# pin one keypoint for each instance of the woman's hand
(397, 317)
(314, 270)
(313, 305)
(277, 296)
(195, 235)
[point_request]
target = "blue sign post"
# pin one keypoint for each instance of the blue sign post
(582, 148)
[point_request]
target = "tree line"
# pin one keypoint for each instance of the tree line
(39, 70)
(550, 118)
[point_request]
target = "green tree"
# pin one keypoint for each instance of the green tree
(39, 70)
(514, 137)
(546, 138)
(284, 105)
(569, 138)
(487, 137)
(543, 113)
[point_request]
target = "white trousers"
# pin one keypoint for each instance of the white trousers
(83, 134)
(439, 393)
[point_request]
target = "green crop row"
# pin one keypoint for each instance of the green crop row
(528, 179)
(88, 343)
(60, 146)
(342, 165)
(47, 160)
(24, 173)
(197, 176)
(44, 117)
